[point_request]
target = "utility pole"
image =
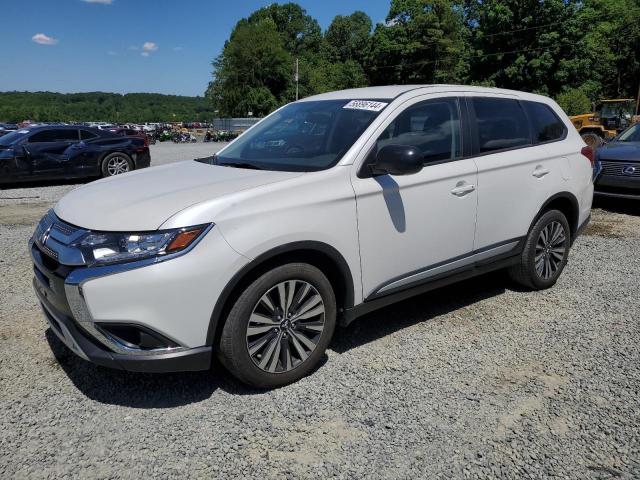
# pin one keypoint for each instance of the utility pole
(638, 101)
(297, 78)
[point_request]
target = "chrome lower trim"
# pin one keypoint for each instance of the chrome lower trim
(461, 262)
(81, 313)
(60, 330)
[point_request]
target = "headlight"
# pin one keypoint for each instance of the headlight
(102, 248)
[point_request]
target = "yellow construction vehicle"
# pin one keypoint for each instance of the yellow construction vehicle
(608, 119)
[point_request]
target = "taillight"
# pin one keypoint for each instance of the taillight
(589, 153)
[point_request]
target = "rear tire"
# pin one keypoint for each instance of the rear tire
(545, 253)
(279, 327)
(115, 164)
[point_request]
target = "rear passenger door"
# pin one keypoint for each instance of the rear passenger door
(515, 174)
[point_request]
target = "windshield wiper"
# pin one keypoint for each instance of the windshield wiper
(251, 166)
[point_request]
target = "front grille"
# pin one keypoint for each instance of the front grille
(64, 228)
(617, 169)
(47, 251)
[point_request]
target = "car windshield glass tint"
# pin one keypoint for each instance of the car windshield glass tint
(631, 135)
(305, 136)
(13, 137)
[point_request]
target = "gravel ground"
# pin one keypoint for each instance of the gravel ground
(477, 380)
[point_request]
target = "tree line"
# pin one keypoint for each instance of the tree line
(99, 106)
(576, 51)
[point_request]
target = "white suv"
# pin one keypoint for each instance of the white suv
(325, 210)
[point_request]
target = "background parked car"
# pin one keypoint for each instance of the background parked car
(49, 152)
(130, 132)
(619, 162)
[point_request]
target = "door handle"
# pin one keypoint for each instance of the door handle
(540, 172)
(463, 189)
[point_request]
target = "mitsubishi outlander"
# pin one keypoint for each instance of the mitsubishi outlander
(327, 209)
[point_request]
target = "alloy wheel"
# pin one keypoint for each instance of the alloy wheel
(117, 165)
(550, 250)
(285, 326)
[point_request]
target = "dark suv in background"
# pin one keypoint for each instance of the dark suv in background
(52, 152)
(619, 165)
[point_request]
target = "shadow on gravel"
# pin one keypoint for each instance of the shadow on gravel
(137, 390)
(147, 390)
(141, 390)
(418, 309)
(618, 205)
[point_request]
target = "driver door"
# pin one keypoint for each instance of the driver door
(415, 228)
(47, 150)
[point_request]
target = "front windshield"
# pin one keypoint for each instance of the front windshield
(632, 134)
(304, 136)
(13, 137)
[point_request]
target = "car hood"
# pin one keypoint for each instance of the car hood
(145, 199)
(623, 151)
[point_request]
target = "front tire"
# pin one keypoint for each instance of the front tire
(545, 252)
(592, 139)
(116, 164)
(279, 327)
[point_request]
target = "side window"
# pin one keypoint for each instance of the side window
(501, 124)
(43, 136)
(87, 135)
(545, 123)
(55, 135)
(433, 126)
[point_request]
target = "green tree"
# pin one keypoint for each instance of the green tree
(520, 43)
(101, 106)
(253, 60)
(574, 101)
(300, 32)
(606, 58)
(347, 38)
(422, 41)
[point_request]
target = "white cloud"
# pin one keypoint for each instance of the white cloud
(43, 39)
(147, 48)
(103, 2)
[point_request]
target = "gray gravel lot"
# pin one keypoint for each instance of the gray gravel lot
(477, 380)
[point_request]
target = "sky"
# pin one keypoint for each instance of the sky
(130, 45)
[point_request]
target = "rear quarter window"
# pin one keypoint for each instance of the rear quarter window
(545, 124)
(87, 135)
(501, 124)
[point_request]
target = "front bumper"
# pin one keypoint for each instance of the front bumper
(83, 345)
(172, 299)
(619, 179)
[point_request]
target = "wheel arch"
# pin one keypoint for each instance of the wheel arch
(565, 202)
(321, 255)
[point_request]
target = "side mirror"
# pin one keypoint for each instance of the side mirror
(397, 160)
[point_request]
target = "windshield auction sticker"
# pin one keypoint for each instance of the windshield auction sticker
(369, 105)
